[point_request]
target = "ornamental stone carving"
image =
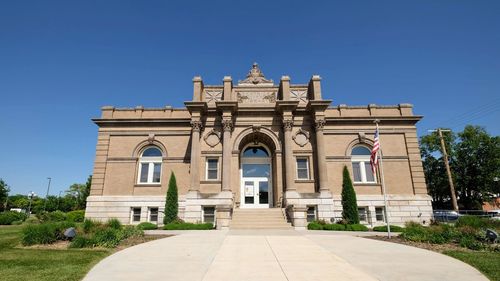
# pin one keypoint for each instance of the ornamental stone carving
(319, 124)
(255, 77)
(298, 95)
(196, 125)
(211, 96)
(212, 138)
(256, 97)
(301, 137)
(288, 124)
(227, 125)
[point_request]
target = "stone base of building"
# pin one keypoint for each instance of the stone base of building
(401, 208)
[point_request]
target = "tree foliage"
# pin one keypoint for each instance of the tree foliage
(171, 203)
(4, 194)
(349, 201)
(474, 158)
(74, 199)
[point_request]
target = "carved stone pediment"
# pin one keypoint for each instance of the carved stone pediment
(255, 77)
(256, 97)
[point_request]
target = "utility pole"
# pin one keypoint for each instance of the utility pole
(47, 195)
(447, 165)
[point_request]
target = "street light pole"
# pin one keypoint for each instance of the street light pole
(47, 195)
(31, 194)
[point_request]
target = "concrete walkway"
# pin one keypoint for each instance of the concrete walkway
(277, 255)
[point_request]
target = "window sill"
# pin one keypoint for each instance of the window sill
(366, 184)
(147, 185)
(210, 182)
(304, 181)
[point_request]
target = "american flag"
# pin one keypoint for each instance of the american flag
(374, 154)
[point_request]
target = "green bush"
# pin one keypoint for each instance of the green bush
(471, 242)
(114, 223)
(107, 237)
(82, 241)
(76, 216)
(334, 226)
(383, 228)
(356, 227)
(8, 217)
(171, 202)
(130, 231)
(188, 226)
(45, 233)
(415, 232)
(90, 225)
(314, 226)
(478, 222)
(32, 220)
(349, 201)
(44, 216)
(147, 226)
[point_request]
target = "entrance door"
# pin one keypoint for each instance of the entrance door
(256, 184)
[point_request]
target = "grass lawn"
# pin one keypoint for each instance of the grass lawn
(486, 262)
(41, 264)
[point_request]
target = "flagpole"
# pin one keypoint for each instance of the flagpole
(382, 181)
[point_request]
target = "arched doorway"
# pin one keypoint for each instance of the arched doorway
(256, 176)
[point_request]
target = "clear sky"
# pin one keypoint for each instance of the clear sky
(60, 61)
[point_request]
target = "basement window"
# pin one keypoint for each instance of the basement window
(209, 214)
(379, 213)
(153, 214)
(363, 214)
(136, 214)
(311, 213)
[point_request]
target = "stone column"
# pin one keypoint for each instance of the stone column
(320, 148)
(289, 163)
(195, 155)
(227, 126)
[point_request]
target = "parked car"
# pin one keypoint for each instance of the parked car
(445, 216)
(494, 214)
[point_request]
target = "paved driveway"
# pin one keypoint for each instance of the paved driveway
(277, 255)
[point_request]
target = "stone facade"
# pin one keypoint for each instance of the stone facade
(307, 142)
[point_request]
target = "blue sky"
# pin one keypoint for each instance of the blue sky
(60, 61)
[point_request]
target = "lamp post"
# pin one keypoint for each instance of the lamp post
(47, 195)
(31, 194)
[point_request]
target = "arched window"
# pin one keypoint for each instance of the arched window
(255, 151)
(150, 166)
(361, 168)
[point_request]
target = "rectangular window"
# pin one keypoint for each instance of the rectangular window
(362, 172)
(144, 172)
(369, 172)
(356, 171)
(153, 214)
(212, 168)
(156, 172)
(311, 213)
(209, 214)
(380, 214)
(136, 214)
(303, 168)
(363, 214)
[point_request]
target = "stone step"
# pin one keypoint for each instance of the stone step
(272, 218)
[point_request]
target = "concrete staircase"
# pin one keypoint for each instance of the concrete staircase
(272, 218)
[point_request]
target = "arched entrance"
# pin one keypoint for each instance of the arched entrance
(256, 176)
